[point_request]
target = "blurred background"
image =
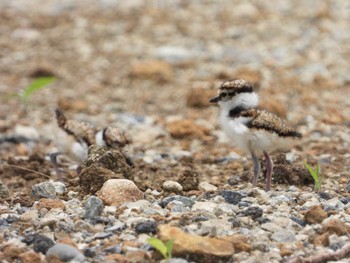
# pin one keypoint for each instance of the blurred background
(145, 56)
(156, 62)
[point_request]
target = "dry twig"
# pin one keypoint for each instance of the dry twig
(26, 169)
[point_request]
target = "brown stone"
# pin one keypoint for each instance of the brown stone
(336, 226)
(137, 256)
(315, 215)
(181, 129)
(116, 258)
(154, 69)
(119, 191)
(284, 251)
(50, 203)
(11, 252)
(199, 97)
(186, 244)
(322, 240)
(68, 241)
(30, 257)
(240, 242)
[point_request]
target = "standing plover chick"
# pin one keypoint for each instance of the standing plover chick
(255, 131)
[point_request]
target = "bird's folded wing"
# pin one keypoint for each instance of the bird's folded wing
(262, 119)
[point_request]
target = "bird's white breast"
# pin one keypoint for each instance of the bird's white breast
(236, 130)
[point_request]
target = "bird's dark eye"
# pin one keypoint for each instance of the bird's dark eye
(224, 94)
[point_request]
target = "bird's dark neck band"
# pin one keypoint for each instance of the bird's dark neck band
(236, 111)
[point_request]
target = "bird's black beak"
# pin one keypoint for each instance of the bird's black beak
(215, 99)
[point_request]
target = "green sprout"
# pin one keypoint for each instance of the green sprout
(316, 175)
(164, 249)
(36, 85)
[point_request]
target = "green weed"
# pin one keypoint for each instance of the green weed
(164, 249)
(316, 175)
(36, 85)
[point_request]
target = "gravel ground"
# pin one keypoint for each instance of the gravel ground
(149, 67)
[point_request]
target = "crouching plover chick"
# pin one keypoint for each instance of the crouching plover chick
(255, 131)
(84, 134)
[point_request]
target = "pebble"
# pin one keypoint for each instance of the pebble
(172, 186)
(174, 260)
(60, 188)
(103, 235)
(186, 244)
(50, 204)
(29, 257)
(207, 187)
(204, 206)
(44, 190)
(149, 227)
(347, 188)
(4, 190)
(65, 253)
(283, 236)
(119, 191)
(185, 200)
(40, 243)
(253, 212)
(117, 226)
(93, 207)
(231, 197)
(89, 252)
(333, 204)
(178, 208)
(315, 215)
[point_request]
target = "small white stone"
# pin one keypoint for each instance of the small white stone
(29, 216)
(60, 188)
(207, 187)
(204, 206)
(172, 186)
(109, 209)
(284, 236)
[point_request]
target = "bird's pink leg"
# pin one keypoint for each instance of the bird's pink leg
(269, 169)
(256, 168)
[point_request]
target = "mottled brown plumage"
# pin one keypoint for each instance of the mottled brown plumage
(82, 131)
(115, 137)
(237, 85)
(262, 119)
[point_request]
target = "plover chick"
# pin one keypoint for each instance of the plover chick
(85, 134)
(256, 131)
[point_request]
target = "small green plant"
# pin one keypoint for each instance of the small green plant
(316, 175)
(164, 249)
(36, 85)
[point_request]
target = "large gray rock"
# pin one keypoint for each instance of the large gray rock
(65, 253)
(44, 190)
